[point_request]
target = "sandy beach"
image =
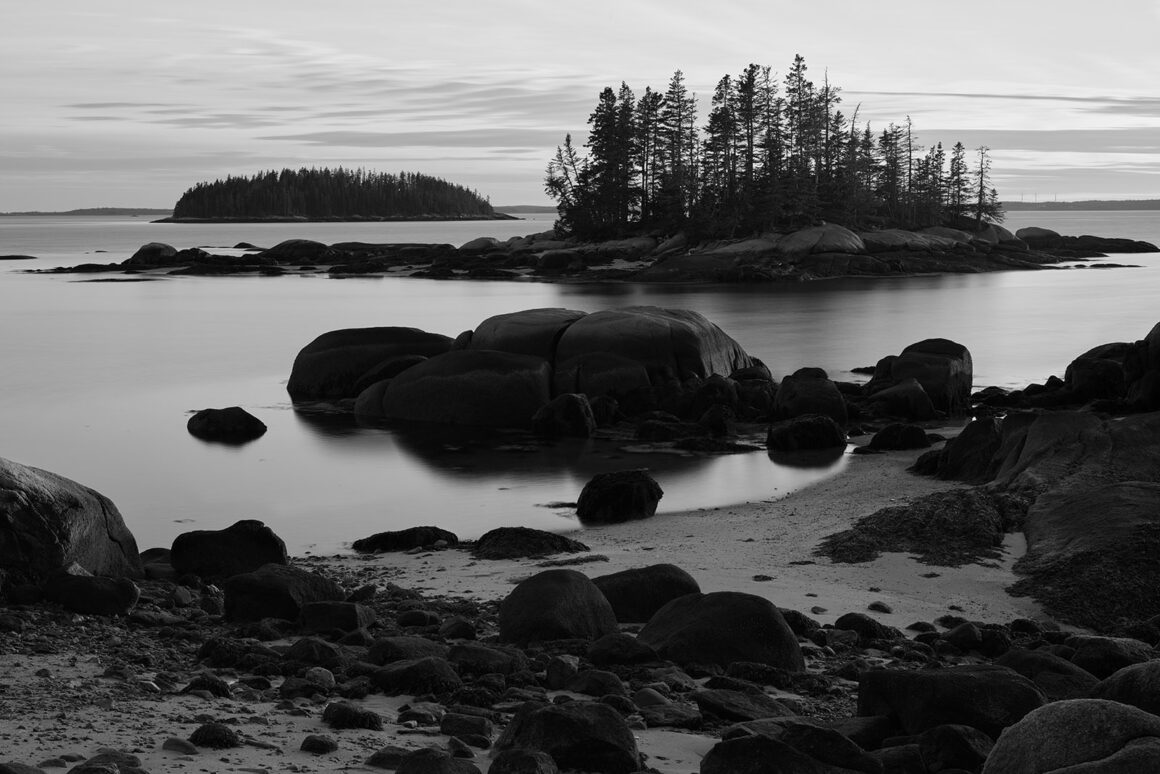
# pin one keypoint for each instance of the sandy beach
(59, 698)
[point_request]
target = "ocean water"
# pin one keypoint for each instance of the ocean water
(97, 379)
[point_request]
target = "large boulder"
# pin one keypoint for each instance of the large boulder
(618, 350)
(276, 591)
(809, 391)
(48, 522)
(1038, 238)
(638, 593)
(330, 366)
(533, 332)
(1057, 677)
(553, 605)
(1143, 391)
(153, 254)
(1136, 684)
(470, 387)
(244, 546)
(989, 698)
(805, 433)
(621, 495)
(77, 590)
(1089, 735)
(905, 399)
(829, 238)
(568, 415)
(943, 368)
(720, 628)
(579, 735)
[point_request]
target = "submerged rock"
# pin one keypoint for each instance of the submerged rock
(228, 425)
(621, 495)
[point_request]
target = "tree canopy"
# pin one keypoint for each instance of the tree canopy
(331, 193)
(773, 153)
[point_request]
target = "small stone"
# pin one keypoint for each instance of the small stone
(880, 607)
(179, 745)
(215, 736)
(319, 744)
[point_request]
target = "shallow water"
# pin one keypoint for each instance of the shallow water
(97, 379)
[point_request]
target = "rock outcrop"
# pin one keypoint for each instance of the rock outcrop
(48, 522)
(329, 367)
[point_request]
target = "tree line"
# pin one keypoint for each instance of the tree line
(772, 153)
(330, 193)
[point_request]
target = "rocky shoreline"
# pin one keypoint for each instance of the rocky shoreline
(820, 252)
(857, 625)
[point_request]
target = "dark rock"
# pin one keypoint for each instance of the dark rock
(404, 540)
(215, 736)
(1079, 735)
(520, 542)
(739, 705)
(569, 415)
(241, 547)
(332, 616)
(615, 351)
(943, 368)
(805, 433)
(986, 697)
(597, 682)
(469, 387)
(431, 760)
(555, 604)
(386, 650)
(809, 392)
(620, 648)
(587, 736)
(153, 254)
(233, 425)
(297, 251)
(953, 746)
(868, 629)
(276, 591)
(317, 652)
(720, 628)
(621, 495)
(458, 724)
(417, 676)
(899, 437)
(330, 366)
(1104, 656)
(825, 745)
(755, 754)
(209, 683)
(48, 522)
(319, 744)
(905, 399)
(340, 715)
(1137, 685)
(471, 658)
(388, 757)
(90, 595)
(518, 761)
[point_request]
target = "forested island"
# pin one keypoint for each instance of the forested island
(330, 194)
(773, 155)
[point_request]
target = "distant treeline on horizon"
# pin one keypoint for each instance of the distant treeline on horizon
(1086, 204)
(330, 194)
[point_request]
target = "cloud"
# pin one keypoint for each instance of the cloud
(447, 138)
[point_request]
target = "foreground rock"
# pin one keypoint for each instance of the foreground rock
(720, 628)
(942, 368)
(48, 522)
(622, 495)
(242, 547)
(1079, 735)
(553, 605)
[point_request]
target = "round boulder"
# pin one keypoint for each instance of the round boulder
(553, 605)
(809, 391)
(233, 425)
(621, 495)
(636, 594)
(153, 254)
(48, 522)
(806, 433)
(529, 332)
(1090, 735)
(333, 364)
(720, 628)
(276, 591)
(579, 735)
(899, 437)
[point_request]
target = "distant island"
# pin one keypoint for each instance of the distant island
(330, 195)
(95, 211)
(1087, 204)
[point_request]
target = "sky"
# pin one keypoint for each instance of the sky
(129, 103)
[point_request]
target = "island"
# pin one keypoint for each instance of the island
(325, 194)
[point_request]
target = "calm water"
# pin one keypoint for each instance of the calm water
(97, 379)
